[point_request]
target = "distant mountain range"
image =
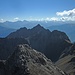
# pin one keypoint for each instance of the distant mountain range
(67, 27)
(29, 24)
(8, 27)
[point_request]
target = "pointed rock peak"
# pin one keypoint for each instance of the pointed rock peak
(38, 27)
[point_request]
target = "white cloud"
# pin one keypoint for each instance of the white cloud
(16, 18)
(47, 19)
(54, 19)
(66, 13)
(1, 20)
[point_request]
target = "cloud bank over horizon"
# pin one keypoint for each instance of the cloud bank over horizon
(66, 15)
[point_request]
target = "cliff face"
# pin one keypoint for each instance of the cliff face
(27, 61)
(50, 43)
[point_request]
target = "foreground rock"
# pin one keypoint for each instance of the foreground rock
(27, 61)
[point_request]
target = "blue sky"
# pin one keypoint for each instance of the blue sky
(36, 9)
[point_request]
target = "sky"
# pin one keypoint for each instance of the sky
(51, 10)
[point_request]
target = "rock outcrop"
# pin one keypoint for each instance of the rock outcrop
(27, 61)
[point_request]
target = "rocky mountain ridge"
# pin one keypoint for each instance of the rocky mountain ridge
(24, 60)
(27, 61)
(43, 40)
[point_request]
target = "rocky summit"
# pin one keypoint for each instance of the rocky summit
(27, 61)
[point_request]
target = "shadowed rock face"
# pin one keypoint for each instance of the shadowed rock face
(7, 46)
(50, 43)
(67, 60)
(2, 67)
(27, 61)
